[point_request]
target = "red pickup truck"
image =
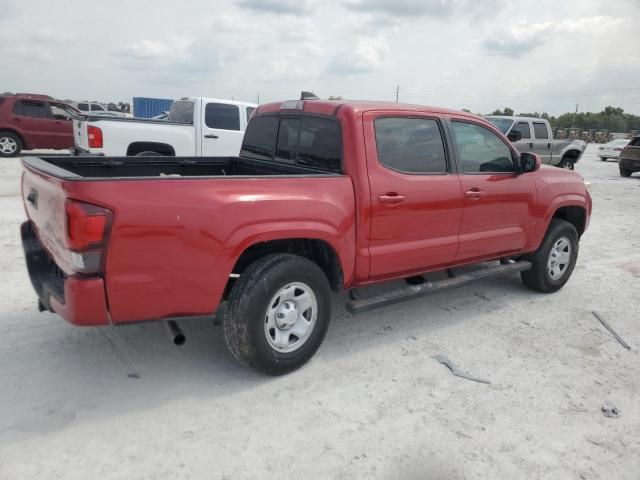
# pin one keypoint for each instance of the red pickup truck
(325, 195)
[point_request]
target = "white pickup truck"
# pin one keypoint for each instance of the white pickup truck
(195, 127)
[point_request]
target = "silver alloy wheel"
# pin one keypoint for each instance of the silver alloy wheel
(291, 317)
(8, 145)
(559, 258)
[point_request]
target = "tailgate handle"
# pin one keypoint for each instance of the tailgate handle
(32, 198)
(211, 136)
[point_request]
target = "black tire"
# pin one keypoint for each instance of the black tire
(567, 163)
(539, 278)
(149, 153)
(604, 159)
(246, 311)
(625, 172)
(9, 138)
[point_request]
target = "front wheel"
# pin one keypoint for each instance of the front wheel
(278, 313)
(567, 164)
(604, 159)
(10, 144)
(554, 261)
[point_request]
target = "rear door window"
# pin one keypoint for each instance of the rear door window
(540, 130)
(410, 145)
(222, 116)
(97, 108)
(83, 106)
(33, 109)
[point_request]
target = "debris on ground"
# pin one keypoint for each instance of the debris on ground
(455, 371)
(608, 327)
(610, 410)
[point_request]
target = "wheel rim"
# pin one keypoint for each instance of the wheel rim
(567, 165)
(8, 145)
(559, 258)
(291, 317)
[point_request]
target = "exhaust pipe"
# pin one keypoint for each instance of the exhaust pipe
(176, 334)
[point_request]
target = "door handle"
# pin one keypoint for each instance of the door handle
(391, 198)
(473, 194)
(211, 136)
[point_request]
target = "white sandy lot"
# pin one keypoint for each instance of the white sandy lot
(112, 403)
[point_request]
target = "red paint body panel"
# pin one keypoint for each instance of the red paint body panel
(85, 302)
(175, 241)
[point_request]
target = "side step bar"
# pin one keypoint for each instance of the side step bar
(364, 304)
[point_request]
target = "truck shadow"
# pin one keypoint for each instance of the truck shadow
(56, 375)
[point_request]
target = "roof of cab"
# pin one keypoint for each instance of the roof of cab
(331, 107)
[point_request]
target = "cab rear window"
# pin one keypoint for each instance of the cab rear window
(295, 140)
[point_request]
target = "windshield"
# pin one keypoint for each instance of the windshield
(181, 111)
(503, 124)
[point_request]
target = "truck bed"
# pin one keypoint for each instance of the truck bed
(113, 168)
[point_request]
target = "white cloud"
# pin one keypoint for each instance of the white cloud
(363, 57)
(160, 50)
(525, 36)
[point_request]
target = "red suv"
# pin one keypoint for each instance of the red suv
(34, 121)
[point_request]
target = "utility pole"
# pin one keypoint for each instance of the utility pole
(258, 102)
(397, 92)
(574, 116)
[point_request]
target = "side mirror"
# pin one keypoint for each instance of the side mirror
(515, 135)
(529, 162)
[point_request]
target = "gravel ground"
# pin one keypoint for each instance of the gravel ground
(110, 403)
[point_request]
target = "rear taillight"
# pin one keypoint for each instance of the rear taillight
(88, 228)
(95, 137)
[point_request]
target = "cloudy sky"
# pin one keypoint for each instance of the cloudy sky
(542, 55)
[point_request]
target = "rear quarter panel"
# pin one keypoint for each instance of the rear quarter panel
(175, 241)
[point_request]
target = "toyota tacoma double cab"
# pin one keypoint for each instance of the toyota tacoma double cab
(324, 196)
(534, 135)
(194, 127)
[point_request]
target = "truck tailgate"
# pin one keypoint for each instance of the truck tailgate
(44, 200)
(80, 137)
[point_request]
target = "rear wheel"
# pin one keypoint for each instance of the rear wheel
(278, 313)
(10, 144)
(604, 159)
(554, 261)
(625, 172)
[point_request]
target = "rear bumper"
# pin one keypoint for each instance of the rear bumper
(79, 300)
(629, 164)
